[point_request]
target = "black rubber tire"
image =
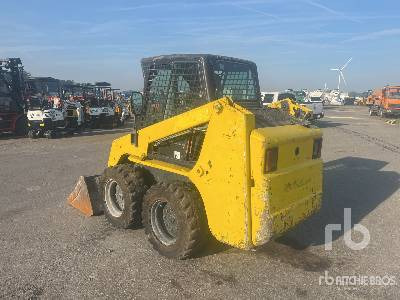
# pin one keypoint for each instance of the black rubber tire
(110, 124)
(117, 122)
(40, 133)
(50, 134)
(134, 182)
(285, 106)
(80, 129)
(191, 220)
(32, 134)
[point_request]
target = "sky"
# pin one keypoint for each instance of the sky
(293, 42)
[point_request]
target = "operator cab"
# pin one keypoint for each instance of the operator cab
(38, 103)
(178, 83)
(174, 84)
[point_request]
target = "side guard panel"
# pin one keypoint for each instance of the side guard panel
(222, 172)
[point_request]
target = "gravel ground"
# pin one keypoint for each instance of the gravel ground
(48, 250)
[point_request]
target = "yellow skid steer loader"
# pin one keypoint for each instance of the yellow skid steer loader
(206, 158)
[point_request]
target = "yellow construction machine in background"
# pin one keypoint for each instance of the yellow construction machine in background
(292, 108)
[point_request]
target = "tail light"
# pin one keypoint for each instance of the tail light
(271, 160)
(317, 148)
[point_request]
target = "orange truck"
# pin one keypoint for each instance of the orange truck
(385, 101)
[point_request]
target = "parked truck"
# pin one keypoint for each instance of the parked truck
(385, 102)
(314, 102)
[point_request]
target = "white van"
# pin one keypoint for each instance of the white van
(314, 101)
(269, 97)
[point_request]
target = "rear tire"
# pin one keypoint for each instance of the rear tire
(50, 134)
(174, 219)
(80, 129)
(371, 113)
(32, 134)
(123, 188)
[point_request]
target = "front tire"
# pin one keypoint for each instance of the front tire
(381, 113)
(93, 124)
(32, 134)
(50, 134)
(174, 219)
(123, 187)
(371, 113)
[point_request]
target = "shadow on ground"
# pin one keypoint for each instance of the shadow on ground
(85, 132)
(94, 132)
(327, 124)
(350, 182)
(10, 136)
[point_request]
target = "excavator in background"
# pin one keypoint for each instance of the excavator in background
(293, 109)
(12, 97)
(204, 157)
(286, 103)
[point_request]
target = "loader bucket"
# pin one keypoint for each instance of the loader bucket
(86, 196)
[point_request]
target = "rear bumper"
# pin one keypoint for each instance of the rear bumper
(100, 117)
(295, 213)
(283, 198)
(287, 199)
(44, 124)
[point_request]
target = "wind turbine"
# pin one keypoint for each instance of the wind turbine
(340, 73)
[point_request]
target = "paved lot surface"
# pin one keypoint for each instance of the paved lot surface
(48, 250)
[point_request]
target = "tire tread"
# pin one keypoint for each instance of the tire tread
(189, 200)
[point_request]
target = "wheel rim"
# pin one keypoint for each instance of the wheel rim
(164, 222)
(114, 198)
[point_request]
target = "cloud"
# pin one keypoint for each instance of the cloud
(332, 11)
(375, 35)
(260, 12)
(142, 6)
